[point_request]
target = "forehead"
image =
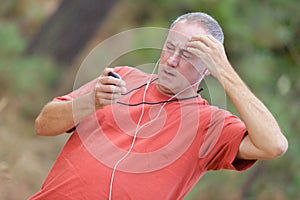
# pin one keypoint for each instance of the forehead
(184, 31)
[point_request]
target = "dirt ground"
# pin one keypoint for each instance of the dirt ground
(25, 158)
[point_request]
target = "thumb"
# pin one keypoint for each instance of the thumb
(107, 70)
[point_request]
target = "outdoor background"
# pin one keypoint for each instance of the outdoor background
(43, 42)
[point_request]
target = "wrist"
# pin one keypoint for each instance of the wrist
(83, 106)
(228, 77)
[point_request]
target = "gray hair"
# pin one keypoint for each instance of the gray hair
(210, 24)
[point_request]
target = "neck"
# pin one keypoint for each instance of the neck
(188, 92)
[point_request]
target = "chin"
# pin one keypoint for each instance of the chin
(165, 89)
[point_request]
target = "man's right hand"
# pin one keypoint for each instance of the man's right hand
(60, 116)
(108, 89)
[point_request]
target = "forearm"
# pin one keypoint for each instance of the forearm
(264, 139)
(263, 130)
(59, 117)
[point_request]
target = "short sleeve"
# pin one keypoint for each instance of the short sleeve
(224, 151)
(86, 88)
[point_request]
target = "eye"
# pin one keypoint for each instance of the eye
(170, 47)
(187, 54)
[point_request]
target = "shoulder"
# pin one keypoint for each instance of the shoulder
(131, 73)
(125, 70)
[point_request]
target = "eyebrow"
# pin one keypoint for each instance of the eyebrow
(184, 50)
(170, 42)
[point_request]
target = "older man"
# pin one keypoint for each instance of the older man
(146, 136)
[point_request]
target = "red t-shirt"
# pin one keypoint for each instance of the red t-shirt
(175, 144)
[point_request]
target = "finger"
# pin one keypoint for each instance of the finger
(109, 88)
(196, 51)
(208, 40)
(106, 73)
(197, 48)
(200, 37)
(197, 45)
(107, 96)
(100, 103)
(213, 39)
(107, 70)
(109, 80)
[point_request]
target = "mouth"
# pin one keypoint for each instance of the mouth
(168, 73)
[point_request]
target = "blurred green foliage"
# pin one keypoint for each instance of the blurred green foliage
(24, 77)
(262, 43)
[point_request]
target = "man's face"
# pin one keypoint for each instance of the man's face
(178, 67)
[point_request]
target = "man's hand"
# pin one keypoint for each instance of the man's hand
(108, 89)
(211, 53)
(60, 116)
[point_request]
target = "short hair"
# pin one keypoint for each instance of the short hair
(209, 23)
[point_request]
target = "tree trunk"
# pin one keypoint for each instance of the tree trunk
(66, 32)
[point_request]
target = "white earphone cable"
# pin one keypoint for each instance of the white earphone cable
(135, 134)
(138, 127)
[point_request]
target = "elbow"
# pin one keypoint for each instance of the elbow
(38, 126)
(279, 149)
(43, 127)
(283, 147)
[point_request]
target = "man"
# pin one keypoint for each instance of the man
(147, 136)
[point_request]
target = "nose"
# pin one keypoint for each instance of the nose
(173, 60)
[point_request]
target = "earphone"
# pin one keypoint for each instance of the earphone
(135, 134)
(138, 127)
